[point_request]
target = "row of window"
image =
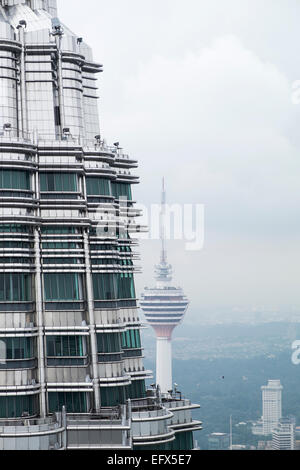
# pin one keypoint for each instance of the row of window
(66, 287)
(75, 402)
(95, 261)
(64, 182)
(53, 230)
(64, 245)
(68, 346)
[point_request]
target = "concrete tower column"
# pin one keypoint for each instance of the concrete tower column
(164, 364)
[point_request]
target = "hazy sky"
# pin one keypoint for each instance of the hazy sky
(199, 91)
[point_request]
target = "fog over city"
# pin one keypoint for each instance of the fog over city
(202, 93)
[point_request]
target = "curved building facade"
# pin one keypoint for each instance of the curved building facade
(71, 359)
(69, 323)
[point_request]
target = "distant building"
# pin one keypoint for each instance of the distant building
(284, 435)
(297, 437)
(297, 431)
(272, 408)
(272, 405)
(218, 441)
(257, 428)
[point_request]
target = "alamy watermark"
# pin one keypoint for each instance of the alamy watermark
(183, 222)
(296, 353)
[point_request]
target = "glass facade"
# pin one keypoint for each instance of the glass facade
(68, 315)
(137, 389)
(75, 402)
(17, 407)
(109, 342)
(126, 288)
(112, 396)
(122, 190)
(65, 346)
(98, 186)
(15, 228)
(15, 287)
(104, 286)
(58, 182)
(62, 286)
(14, 179)
(18, 348)
(131, 339)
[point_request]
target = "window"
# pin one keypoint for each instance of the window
(10, 244)
(121, 190)
(137, 389)
(63, 286)
(63, 260)
(52, 230)
(11, 228)
(75, 402)
(183, 441)
(112, 396)
(14, 179)
(65, 346)
(58, 182)
(15, 287)
(61, 245)
(131, 339)
(105, 261)
(126, 262)
(108, 343)
(126, 288)
(104, 286)
(18, 348)
(98, 187)
(18, 406)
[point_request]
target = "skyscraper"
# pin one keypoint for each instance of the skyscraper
(164, 307)
(272, 405)
(71, 359)
(283, 436)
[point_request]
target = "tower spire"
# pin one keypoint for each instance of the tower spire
(163, 269)
(163, 257)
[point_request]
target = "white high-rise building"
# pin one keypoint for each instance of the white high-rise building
(272, 405)
(284, 435)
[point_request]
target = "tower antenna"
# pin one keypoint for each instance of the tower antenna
(163, 257)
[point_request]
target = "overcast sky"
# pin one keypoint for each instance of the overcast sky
(199, 91)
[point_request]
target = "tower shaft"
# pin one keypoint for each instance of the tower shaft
(164, 364)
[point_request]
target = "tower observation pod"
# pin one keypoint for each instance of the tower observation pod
(164, 307)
